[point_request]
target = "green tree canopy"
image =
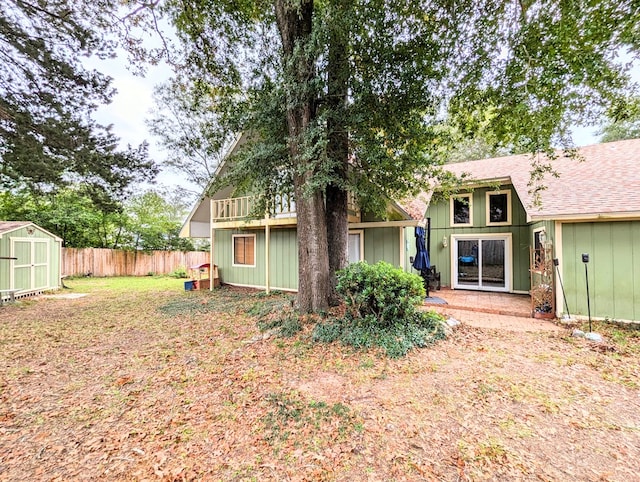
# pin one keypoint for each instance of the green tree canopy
(47, 97)
(624, 125)
(189, 130)
(147, 221)
(70, 212)
(155, 220)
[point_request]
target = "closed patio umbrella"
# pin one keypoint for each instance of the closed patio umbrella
(421, 260)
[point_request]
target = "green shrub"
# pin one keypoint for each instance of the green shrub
(381, 291)
(179, 272)
(381, 311)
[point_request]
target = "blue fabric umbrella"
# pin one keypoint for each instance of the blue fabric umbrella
(421, 261)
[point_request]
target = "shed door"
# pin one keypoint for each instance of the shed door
(31, 268)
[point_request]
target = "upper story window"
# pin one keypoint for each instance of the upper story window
(461, 210)
(244, 250)
(498, 208)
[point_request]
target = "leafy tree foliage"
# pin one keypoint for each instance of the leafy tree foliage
(155, 222)
(47, 136)
(363, 96)
(70, 213)
(148, 221)
(626, 126)
(189, 130)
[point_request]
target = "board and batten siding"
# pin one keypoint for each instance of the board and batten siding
(284, 259)
(382, 244)
(613, 268)
(283, 256)
(520, 230)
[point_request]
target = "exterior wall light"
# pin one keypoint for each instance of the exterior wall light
(444, 242)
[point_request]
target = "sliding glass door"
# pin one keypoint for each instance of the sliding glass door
(482, 262)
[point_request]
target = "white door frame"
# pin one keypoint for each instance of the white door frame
(360, 234)
(508, 261)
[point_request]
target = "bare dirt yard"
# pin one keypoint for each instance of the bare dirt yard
(140, 380)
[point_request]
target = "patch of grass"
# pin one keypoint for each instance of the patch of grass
(423, 329)
(124, 284)
(626, 338)
(486, 452)
(526, 393)
(289, 414)
(515, 427)
(492, 450)
(276, 311)
(288, 324)
(367, 363)
(223, 300)
(265, 304)
(185, 306)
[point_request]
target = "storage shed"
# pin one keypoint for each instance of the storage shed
(29, 260)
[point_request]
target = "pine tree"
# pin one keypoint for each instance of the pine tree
(47, 136)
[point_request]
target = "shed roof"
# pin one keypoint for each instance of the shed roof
(6, 226)
(9, 226)
(605, 182)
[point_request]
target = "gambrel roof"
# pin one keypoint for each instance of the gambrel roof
(604, 183)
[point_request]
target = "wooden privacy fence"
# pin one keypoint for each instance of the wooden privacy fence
(116, 262)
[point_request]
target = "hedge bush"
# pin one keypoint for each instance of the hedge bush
(381, 311)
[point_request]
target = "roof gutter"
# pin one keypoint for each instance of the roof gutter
(565, 218)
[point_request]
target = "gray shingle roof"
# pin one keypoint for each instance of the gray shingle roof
(605, 183)
(6, 226)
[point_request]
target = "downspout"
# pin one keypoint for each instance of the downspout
(403, 253)
(267, 243)
(429, 239)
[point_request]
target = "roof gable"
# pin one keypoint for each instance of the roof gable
(10, 226)
(605, 183)
(197, 223)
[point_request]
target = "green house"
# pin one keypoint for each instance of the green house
(29, 259)
(263, 252)
(497, 235)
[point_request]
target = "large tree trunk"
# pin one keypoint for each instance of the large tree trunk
(338, 144)
(313, 262)
(295, 24)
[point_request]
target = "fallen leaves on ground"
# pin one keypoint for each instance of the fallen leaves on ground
(161, 384)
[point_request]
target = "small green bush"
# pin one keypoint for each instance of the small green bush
(179, 272)
(380, 293)
(381, 311)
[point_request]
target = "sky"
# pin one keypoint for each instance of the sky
(131, 106)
